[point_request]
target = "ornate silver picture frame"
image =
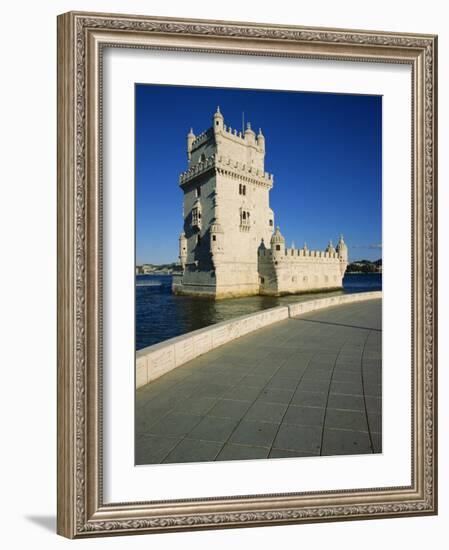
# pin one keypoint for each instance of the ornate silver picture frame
(82, 509)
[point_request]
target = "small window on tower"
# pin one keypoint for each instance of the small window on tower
(244, 215)
(278, 247)
(198, 192)
(271, 223)
(244, 189)
(198, 240)
(214, 237)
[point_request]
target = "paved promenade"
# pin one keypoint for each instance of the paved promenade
(306, 386)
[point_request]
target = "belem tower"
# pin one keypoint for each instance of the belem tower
(229, 246)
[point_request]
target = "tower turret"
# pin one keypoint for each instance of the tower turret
(190, 139)
(342, 249)
(216, 242)
(218, 120)
(330, 248)
(250, 136)
(261, 140)
(277, 244)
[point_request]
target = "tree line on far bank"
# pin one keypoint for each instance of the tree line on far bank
(365, 266)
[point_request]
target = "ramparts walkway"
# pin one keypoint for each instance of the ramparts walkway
(305, 386)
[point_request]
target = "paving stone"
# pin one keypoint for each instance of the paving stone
(256, 380)
(242, 452)
(195, 405)
(266, 412)
(314, 385)
(377, 442)
(285, 453)
(309, 398)
(342, 401)
(192, 450)
(349, 388)
(254, 434)
(373, 404)
(347, 419)
(153, 449)
(242, 393)
(175, 424)
(271, 395)
(341, 375)
(375, 422)
(230, 408)
(213, 428)
(295, 373)
(313, 373)
(282, 383)
(299, 438)
(345, 442)
(150, 415)
(269, 369)
(211, 390)
(374, 390)
(305, 416)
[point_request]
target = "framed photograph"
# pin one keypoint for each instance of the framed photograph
(246, 274)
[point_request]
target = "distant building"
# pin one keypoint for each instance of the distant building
(145, 269)
(229, 247)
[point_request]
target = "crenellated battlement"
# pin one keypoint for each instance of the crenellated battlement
(294, 254)
(202, 138)
(197, 169)
(229, 167)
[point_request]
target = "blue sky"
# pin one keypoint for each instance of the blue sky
(323, 149)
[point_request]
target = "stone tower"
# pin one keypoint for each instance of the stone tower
(226, 212)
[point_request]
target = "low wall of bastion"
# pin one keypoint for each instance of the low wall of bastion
(155, 361)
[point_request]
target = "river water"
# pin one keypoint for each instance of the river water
(161, 315)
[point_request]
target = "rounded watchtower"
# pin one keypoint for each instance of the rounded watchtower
(261, 140)
(216, 242)
(218, 120)
(330, 248)
(190, 139)
(250, 136)
(342, 249)
(277, 244)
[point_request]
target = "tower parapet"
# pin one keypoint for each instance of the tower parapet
(277, 245)
(190, 140)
